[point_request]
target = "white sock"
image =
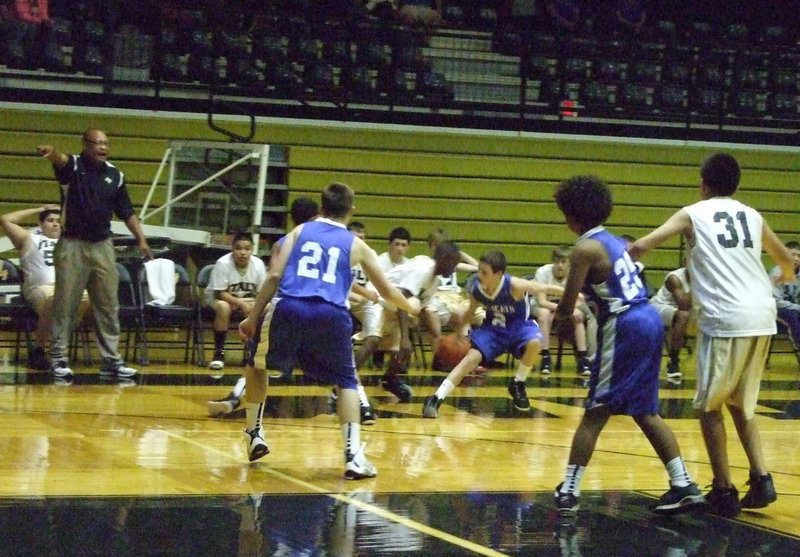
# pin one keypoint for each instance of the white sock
(254, 412)
(351, 432)
(362, 395)
(238, 389)
(572, 479)
(678, 474)
(522, 372)
(445, 389)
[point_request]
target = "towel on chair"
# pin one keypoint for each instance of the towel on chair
(160, 281)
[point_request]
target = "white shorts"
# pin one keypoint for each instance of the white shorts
(729, 372)
(369, 314)
(448, 303)
(667, 313)
(38, 295)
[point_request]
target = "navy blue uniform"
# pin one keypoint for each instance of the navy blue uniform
(91, 194)
(506, 327)
(629, 336)
(311, 324)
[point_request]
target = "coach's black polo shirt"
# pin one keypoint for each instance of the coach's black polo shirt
(89, 196)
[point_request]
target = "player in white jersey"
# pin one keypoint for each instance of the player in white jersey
(416, 279)
(673, 301)
(736, 317)
(448, 305)
(363, 300)
(232, 288)
(35, 248)
(583, 325)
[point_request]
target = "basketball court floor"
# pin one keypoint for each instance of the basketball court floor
(94, 468)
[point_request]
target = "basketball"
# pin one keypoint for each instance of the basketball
(452, 348)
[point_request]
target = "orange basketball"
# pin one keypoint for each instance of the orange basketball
(452, 348)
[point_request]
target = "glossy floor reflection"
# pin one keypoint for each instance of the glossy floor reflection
(98, 468)
(364, 523)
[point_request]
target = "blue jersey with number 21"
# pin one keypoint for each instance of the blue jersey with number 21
(319, 264)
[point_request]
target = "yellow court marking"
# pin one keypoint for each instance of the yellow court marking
(383, 513)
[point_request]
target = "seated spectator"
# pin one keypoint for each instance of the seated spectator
(565, 16)
(674, 304)
(544, 306)
(787, 296)
(630, 16)
(383, 10)
(235, 280)
(24, 24)
(36, 248)
(421, 13)
(32, 11)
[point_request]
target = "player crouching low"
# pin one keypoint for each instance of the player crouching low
(506, 328)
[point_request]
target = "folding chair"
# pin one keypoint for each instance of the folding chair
(165, 319)
(131, 316)
(15, 315)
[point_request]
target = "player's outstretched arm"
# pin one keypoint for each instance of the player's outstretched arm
(520, 286)
(679, 223)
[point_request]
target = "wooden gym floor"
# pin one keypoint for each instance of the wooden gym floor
(106, 469)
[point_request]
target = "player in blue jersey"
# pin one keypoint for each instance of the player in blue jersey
(624, 376)
(506, 328)
(311, 324)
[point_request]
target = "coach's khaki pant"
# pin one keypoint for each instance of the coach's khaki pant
(91, 266)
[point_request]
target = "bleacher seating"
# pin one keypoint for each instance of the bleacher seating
(481, 63)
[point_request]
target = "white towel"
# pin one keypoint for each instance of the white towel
(160, 281)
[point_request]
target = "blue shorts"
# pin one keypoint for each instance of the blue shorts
(492, 342)
(315, 336)
(625, 375)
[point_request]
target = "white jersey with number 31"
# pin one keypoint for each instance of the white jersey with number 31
(729, 282)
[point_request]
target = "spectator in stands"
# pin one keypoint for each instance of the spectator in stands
(24, 24)
(32, 11)
(36, 259)
(383, 10)
(787, 295)
(235, 280)
(92, 190)
(421, 13)
(631, 17)
(565, 16)
(673, 301)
